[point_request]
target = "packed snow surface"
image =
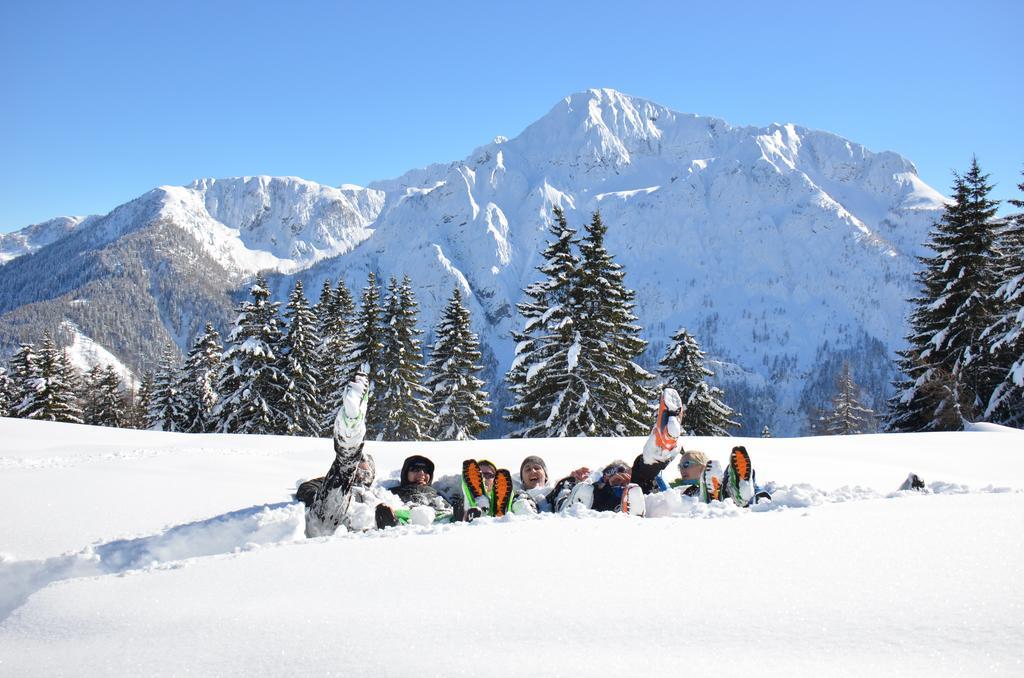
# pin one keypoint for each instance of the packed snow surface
(149, 553)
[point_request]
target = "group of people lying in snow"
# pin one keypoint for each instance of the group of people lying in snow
(348, 496)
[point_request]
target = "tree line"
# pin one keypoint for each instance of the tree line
(575, 369)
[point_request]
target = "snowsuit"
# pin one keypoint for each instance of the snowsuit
(331, 501)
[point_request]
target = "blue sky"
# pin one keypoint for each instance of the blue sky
(103, 101)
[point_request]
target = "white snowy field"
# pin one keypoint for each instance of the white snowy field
(140, 553)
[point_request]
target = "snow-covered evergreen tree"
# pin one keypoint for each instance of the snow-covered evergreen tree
(847, 416)
(334, 314)
(23, 369)
(90, 396)
(1006, 404)
(51, 393)
(539, 376)
(405, 413)
(250, 382)
(300, 402)
(6, 386)
(948, 369)
(143, 402)
(766, 432)
(367, 349)
(198, 384)
(457, 398)
(166, 405)
(683, 369)
(608, 393)
(110, 403)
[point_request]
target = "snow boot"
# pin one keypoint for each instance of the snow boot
(710, 486)
(473, 492)
(633, 501)
(501, 493)
(582, 493)
(913, 482)
(661, 444)
(385, 516)
(739, 478)
(350, 423)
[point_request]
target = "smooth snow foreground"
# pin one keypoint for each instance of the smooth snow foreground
(139, 553)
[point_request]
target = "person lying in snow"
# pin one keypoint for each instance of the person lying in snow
(691, 465)
(415, 491)
(366, 496)
(738, 482)
(610, 491)
(332, 499)
(532, 496)
(484, 490)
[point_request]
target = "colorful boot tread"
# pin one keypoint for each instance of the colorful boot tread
(473, 490)
(739, 477)
(501, 497)
(710, 487)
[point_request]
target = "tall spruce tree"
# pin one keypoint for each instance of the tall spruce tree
(334, 314)
(89, 398)
(405, 414)
(300, 402)
(847, 415)
(250, 383)
(540, 373)
(198, 385)
(166, 405)
(607, 394)
(1006, 404)
(682, 368)
(457, 398)
(949, 375)
(110, 403)
(367, 350)
(51, 393)
(23, 369)
(144, 402)
(6, 387)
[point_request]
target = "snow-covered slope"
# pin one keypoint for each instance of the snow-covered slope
(781, 248)
(31, 238)
(784, 250)
(161, 553)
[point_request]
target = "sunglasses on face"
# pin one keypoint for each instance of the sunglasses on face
(612, 470)
(488, 473)
(419, 467)
(688, 463)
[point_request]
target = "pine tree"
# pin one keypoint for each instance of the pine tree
(23, 369)
(334, 314)
(198, 384)
(250, 383)
(847, 415)
(1006, 405)
(301, 398)
(949, 374)
(6, 386)
(367, 349)
(166, 406)
(683, 369)
(110, 400)
(405, 414)
(90, 395)
(540, 375)
(51, 392)
(457, 398)
(607, 394)
(766, 432)
(144, 402)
